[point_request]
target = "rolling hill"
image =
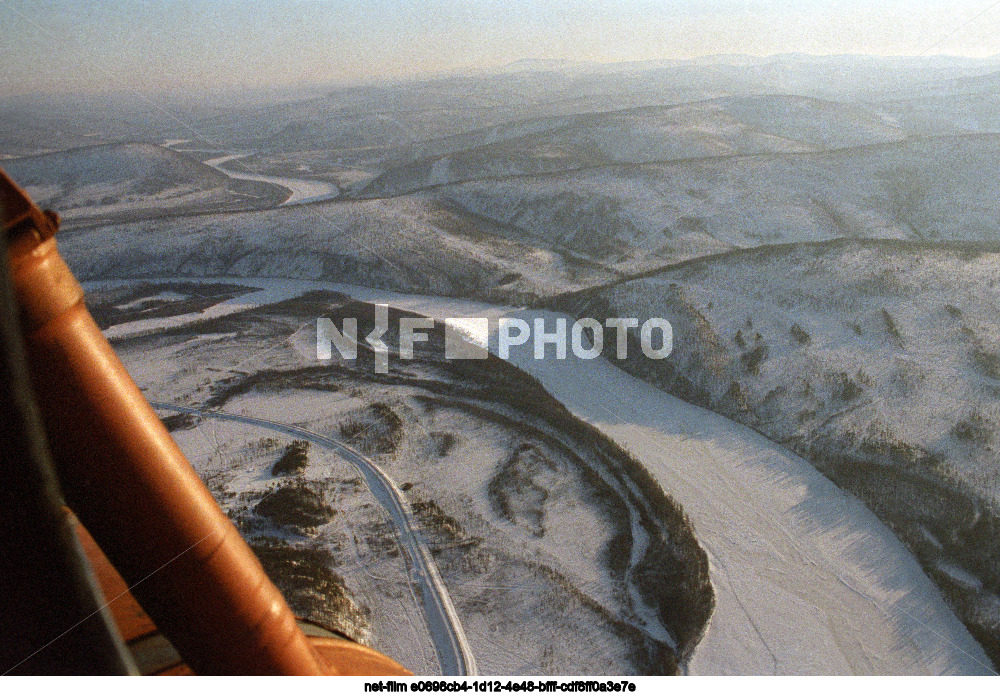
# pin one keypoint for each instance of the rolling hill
(113, 181)
(879, 361)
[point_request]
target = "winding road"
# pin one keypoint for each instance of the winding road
(454, 653)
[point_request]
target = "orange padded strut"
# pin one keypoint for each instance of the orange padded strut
(131, 486)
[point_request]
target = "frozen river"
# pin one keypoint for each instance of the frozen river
(807, 579)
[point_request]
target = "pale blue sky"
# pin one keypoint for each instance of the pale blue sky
(56, 45)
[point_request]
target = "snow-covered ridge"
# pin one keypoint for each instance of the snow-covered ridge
(639, 217)
(112, 179)
(875, 360)
(713, 128)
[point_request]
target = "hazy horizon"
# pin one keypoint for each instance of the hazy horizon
(62, 46)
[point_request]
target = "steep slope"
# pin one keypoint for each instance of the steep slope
(878, 361)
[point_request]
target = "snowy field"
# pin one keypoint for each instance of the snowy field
(499, 491)
(807, 580)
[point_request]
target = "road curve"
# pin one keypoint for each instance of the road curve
(454, 653)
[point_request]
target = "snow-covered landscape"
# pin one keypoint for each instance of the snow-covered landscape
(808, 484)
